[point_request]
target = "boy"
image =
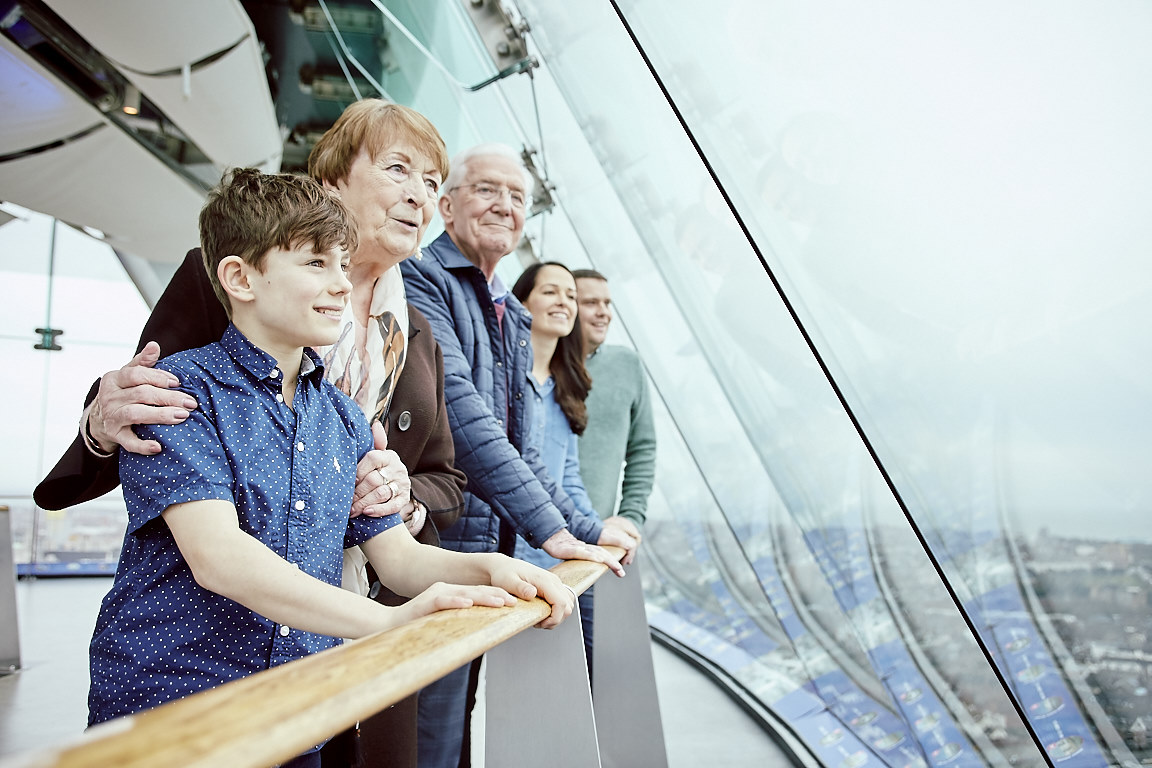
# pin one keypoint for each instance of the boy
(232, 557)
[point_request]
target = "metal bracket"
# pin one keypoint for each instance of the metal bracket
(48, 339)
(502, 36)
(542, 189)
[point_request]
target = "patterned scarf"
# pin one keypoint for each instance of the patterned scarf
(365, 362)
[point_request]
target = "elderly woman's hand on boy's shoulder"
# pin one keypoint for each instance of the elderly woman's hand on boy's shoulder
(137, 393)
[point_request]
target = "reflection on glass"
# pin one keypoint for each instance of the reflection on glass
(987, 354)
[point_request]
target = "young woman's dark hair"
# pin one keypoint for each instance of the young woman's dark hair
(567, 365)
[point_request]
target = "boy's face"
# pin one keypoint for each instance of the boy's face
(297, 299)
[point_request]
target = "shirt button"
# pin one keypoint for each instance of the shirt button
(404, 421)
(275, 373)
(499, 364)
(300, 504)
(300, 446)
(518, 395)
(523, 343)
(284, 631)
(499, 422)
(279, 397)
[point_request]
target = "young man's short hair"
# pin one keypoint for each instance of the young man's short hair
(249, 213)
(588, 274)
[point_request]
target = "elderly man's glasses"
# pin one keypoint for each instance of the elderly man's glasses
(489, 192)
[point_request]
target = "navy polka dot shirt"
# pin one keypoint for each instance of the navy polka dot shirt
(290, 473)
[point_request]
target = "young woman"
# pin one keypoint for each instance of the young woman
(557, 414)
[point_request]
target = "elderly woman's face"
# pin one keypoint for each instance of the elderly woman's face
(392, 198)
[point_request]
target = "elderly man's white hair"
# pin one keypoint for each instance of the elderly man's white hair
(458, 172)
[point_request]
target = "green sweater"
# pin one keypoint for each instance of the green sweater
(620, 434)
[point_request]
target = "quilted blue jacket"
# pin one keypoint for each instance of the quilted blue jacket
(484, 381)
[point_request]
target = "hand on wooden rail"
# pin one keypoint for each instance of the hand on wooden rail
(564, 546)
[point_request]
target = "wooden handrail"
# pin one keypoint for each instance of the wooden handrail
(274, 715)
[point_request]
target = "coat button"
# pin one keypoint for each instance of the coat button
(404, 421)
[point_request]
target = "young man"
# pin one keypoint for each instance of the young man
(620, 431)
(232, 557)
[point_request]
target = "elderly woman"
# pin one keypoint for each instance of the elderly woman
(386, 162)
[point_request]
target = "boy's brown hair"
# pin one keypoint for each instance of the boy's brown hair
(249, 213)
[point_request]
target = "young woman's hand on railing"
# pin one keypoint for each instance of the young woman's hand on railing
(623, 525)
(614, 536)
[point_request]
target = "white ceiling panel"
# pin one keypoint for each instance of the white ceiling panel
(35, 109)
(156, 35)
(108, 181)
(228, 112)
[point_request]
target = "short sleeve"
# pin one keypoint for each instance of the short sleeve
(191, 466)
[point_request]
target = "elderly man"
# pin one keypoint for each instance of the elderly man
(620, 432)
(484, 333)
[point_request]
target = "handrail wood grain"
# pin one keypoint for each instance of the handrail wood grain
(274, 715)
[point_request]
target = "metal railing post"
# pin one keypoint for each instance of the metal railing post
(538, 704)
(9, 620)
(627, 709)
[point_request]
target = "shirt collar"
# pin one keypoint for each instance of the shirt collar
(497, 289)
(541, 389)
(261, 364)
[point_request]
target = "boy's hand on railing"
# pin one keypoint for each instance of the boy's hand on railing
(527, 581)
(442, 597)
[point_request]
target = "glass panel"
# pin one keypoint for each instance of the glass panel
(896, 170)
(100, 313)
